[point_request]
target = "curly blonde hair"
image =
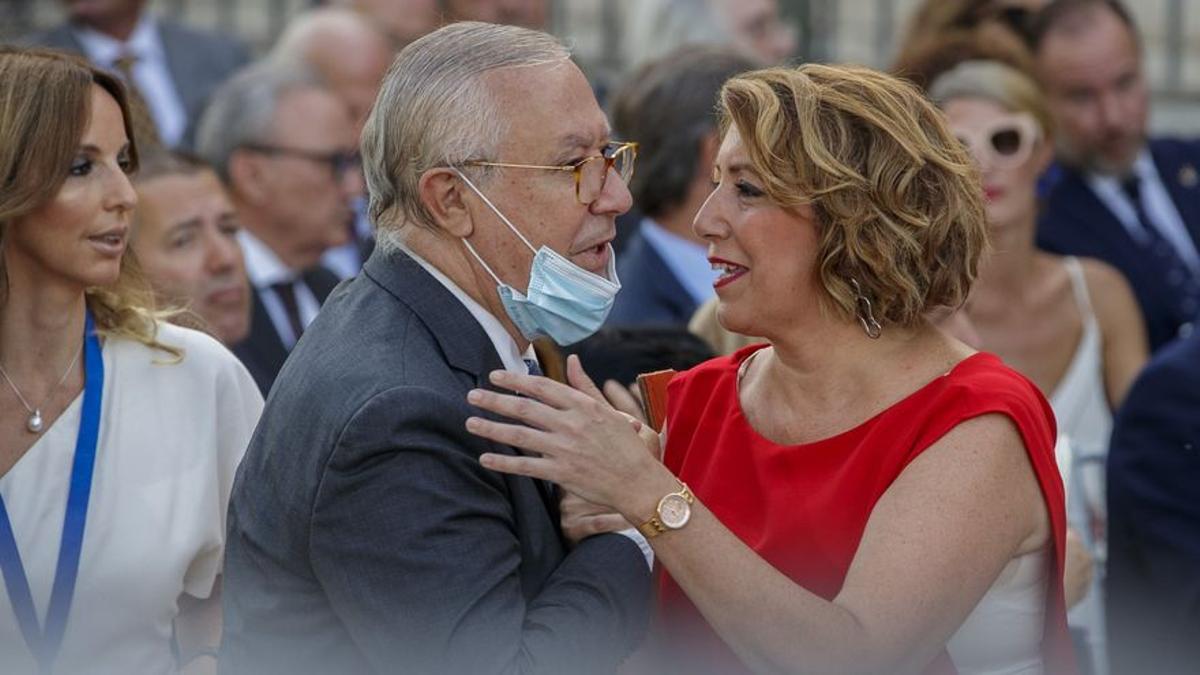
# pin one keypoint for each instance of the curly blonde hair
(897, 198)
(45, 105)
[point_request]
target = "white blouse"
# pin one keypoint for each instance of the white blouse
(171, 437)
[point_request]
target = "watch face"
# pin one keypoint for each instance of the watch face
(674, 511)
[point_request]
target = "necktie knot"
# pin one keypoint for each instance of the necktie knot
(145, 131)
(124, 64)
(1132, 187)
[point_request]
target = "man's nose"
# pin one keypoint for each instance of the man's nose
(119, 194)
(223, 253)
(1112, 110)
(615, 198)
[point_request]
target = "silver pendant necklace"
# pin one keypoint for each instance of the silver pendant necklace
(34, 423)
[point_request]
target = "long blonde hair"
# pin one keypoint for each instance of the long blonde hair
(45, 104)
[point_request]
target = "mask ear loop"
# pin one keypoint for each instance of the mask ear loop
(506, 221)
(494, 209)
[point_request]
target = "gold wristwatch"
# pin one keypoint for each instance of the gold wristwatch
(673, 512)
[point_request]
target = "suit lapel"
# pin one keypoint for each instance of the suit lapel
(185, 65)
(1181, 179)
(1109, 238)
(264, 342)
(460, 337)
(64, 38)
(321, 281)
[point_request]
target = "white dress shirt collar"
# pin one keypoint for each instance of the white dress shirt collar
(263, 267)
(1156, 203)
(686, 259)
(506, 346)
(144, 42)
(514, 362)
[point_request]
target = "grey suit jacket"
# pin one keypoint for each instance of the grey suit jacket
(198, 61)
(364, 535)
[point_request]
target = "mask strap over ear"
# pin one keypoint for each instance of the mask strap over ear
(495, 210)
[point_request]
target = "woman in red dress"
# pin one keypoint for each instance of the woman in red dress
(862, 493)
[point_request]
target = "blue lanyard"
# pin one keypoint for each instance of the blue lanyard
(45, 645)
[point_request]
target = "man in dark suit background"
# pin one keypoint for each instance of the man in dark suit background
(285, 147)
(174, 68)
(350, 54)
(1132, 202)
(1153, 581)
(667, 107)
(364, 534)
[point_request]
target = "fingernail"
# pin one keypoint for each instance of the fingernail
(472, 423)
(474, 396)
(497, 375)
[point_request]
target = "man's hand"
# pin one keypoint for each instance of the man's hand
(581, 519)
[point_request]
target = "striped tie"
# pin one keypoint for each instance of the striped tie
(145, 132)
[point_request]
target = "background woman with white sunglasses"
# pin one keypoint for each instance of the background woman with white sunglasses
(1070, 325)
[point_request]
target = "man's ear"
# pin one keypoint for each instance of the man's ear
(247, 177)
(441, 191)
(706, 157)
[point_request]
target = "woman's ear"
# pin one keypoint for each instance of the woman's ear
(441, 193)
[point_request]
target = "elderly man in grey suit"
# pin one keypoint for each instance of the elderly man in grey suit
(174, 68)
(364, 535)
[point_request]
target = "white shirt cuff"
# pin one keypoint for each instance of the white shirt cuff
(641, 542)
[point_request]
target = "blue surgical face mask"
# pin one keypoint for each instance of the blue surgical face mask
(564, 302)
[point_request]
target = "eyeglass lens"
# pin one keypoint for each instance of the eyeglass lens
(592, 174)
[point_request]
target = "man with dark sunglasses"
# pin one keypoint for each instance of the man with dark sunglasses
(285, 147)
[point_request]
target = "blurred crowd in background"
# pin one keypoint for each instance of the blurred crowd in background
(252, 206)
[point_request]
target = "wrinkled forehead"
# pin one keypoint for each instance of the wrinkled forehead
(548, 109)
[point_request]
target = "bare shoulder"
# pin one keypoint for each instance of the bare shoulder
(1105, 283)
(982, 464)
(1112, 297)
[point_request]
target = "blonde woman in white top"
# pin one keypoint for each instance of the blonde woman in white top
(119, 434)
(1070, 325)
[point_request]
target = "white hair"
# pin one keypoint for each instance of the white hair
(434, 109)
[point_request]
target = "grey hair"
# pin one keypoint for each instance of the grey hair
(434, 109)
(243, 109)
(659, 27)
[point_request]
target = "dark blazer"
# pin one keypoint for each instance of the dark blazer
(198, 61)
(364, 535)
(263, 351)
(1075, 222)
(1153, 574)
(650, 293)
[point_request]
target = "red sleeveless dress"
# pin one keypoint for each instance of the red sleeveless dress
(804, 508)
